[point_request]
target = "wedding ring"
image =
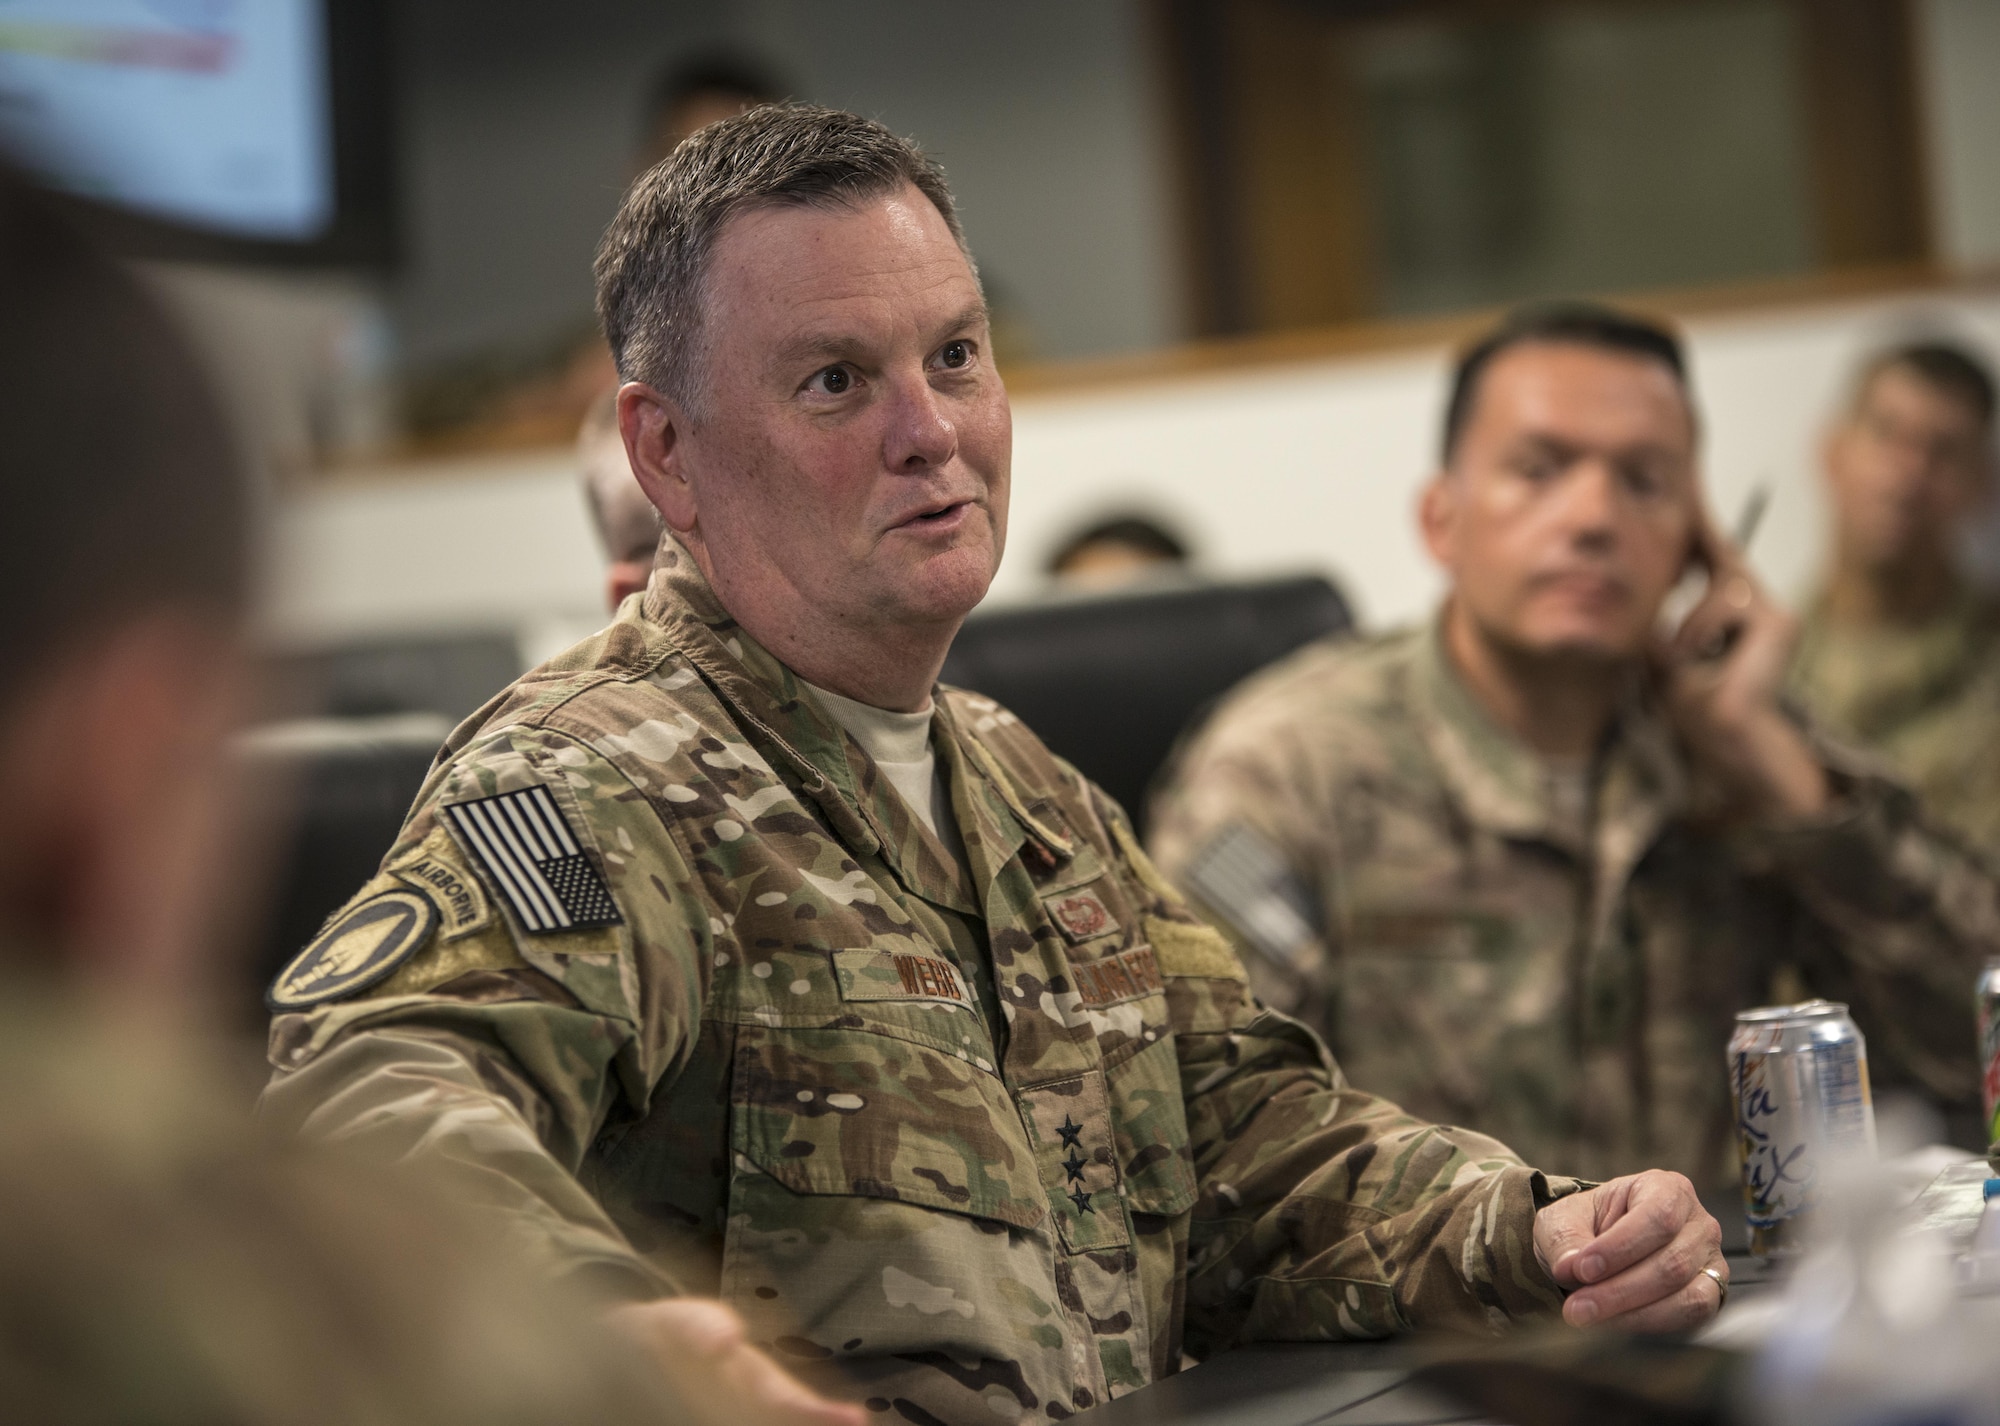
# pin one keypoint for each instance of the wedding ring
(1721, 1287)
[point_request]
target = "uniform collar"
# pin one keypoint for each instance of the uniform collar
(1502, 785)
(782, 714)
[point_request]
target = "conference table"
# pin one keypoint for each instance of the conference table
(1370, 1383)
(1329, 1383)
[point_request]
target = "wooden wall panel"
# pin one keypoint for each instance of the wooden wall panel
(1870, 195)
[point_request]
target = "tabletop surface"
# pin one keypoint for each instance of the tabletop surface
(1338, 1383)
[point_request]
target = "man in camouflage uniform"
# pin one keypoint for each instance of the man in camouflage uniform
(745, 961)
(1898, 652)
(1522, 865)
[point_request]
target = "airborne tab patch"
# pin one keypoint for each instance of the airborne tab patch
(435, 870)
(361, 947)
(523, 843)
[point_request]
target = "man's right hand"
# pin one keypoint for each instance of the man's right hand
(716, 1375)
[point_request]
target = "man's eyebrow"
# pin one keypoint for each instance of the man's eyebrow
(817, 347)
(829, 347)
(971, 316)
(1569, 449)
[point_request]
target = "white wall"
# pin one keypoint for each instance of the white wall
(1317, 467)
(1306, 467)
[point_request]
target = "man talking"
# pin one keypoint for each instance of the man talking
(745, 961)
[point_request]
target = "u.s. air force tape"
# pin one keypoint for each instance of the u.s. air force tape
(526, 848)
(360, 948)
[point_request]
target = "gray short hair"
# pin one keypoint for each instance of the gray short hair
(653, 262)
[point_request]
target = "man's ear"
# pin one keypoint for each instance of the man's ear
(654, 428)
(1437, 517)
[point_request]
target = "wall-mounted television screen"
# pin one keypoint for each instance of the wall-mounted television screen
(220, 128)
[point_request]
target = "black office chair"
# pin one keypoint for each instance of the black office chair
(1110, 681)
(351, 782)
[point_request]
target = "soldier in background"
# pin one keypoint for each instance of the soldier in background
(683, 99)
(742, 960)
(159, 1262)
(1524, 863)
(628, 527)
(1117, 551)
(1898, 651)
(692, 95)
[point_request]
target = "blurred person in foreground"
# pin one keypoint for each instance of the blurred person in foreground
(1524, 863)
(628, 527)
(159, 1263)
(1116, 552)
(754, 963)
(1898, 651)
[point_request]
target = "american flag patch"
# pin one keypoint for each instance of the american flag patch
(524, 845)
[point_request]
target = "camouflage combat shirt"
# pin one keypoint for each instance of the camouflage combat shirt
(662, 954)
(1926, 698)
(1405, 875)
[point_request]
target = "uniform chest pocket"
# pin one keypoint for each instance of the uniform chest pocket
(868, 1071)
(857, 1112)
(1149, 1124)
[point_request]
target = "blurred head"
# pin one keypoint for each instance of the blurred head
(628, 526)
(1566, 507)
(692, 96)
(121, 591)
(810, 401)
(1116, 551)
(1910, 457)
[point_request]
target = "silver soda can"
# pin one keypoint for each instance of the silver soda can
(1800, 1073)
(1987, 1006)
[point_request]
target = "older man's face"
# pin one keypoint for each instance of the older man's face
(1569, 508)
(851, 444)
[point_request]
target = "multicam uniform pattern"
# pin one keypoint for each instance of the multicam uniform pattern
(991, 1142)
(1926, 699)
(1564, 983)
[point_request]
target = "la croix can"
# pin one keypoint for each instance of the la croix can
(1800, 1073)
(1988, 1007)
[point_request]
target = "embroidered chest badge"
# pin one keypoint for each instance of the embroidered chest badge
(1081, 914)
(524, 844)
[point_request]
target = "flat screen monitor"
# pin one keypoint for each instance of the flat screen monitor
(210, 127)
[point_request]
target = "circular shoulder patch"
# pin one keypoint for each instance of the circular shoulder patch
(359, 949)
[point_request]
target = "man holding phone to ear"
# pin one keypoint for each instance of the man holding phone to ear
(1523, 865)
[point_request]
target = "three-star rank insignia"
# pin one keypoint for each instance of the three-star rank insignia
(1076, 1149)
(361, 947)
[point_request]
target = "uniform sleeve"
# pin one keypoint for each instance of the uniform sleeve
(1323, 1211)
(1238, 829)
(493, 1051)
(1899, 915)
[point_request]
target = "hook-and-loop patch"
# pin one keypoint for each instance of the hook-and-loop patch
(524, 844)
